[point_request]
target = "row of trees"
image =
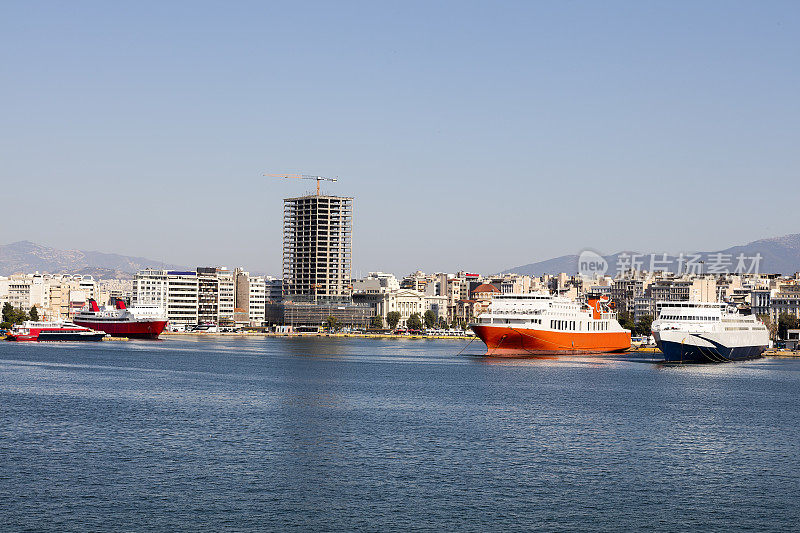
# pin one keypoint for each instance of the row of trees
(428, 320)
(415, 321)
(12, 315)
(642, 328)
(778, 329)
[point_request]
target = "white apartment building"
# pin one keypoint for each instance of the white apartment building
(55, 296)
(257, 300)
(786, 300)
(203, 296)
(226, 296)
(174, 291)
(376, 283)
(25, 291)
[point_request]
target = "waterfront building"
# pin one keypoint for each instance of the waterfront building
(115, 288)
(481, 299)
(625, 290)
(376, 283)
(643, 306)
(273, 288)
(418, 281)
(792, 339)
(405, 301)
(761, 301)
(60, 290)
(785, 300)
(436, 304)
(250, 299)
(455, 292)
(207, 295)
(26, 291)
(684, 290)
(317, 247)
(227, 297)
(54, 296)
(257, 300)
(175, 291)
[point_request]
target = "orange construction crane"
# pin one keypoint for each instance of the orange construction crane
(303, 177)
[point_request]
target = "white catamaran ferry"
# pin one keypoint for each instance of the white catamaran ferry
(707, 332)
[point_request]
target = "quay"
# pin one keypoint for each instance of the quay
(317, 334)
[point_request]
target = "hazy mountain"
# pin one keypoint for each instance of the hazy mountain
(28, 257)
(780, 255)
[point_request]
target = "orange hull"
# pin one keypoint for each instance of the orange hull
(504, 341)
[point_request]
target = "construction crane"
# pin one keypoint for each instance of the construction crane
(303, 177)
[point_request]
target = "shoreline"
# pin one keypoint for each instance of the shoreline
(772, 352)
(312, 334)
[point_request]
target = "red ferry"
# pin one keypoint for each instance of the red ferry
(119, 321)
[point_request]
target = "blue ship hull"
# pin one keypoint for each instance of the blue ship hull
(675, 352)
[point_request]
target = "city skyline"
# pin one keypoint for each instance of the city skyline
(458, 128)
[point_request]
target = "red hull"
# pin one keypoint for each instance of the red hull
(145, 329)
(519, 342)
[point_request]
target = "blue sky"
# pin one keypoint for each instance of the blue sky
(473, 136)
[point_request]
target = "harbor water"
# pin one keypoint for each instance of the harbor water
(332, 434)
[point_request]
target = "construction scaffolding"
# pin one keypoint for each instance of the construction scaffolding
(317, 247)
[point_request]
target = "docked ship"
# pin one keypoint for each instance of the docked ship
(518, 325)
(708, 332)
(145, 322)
(52, 331)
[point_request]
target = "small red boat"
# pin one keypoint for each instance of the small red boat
(52, 331)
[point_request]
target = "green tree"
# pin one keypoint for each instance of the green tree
(331, 323)
(34, 314)
(626, 321)
(430, 319)
(392, 318)
(376, 322)
(442, 323)
(645, 326)
(12, 315)
(414, 321)
(787, 322)
(8, 313)
(772, 327)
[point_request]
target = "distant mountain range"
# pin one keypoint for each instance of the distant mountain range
(27, 257)
(779, 255)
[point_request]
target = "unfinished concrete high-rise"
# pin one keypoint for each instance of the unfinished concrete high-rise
(317, 242)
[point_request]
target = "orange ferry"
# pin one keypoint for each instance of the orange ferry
(540, 324)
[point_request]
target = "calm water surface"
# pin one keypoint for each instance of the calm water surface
(380, 435)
